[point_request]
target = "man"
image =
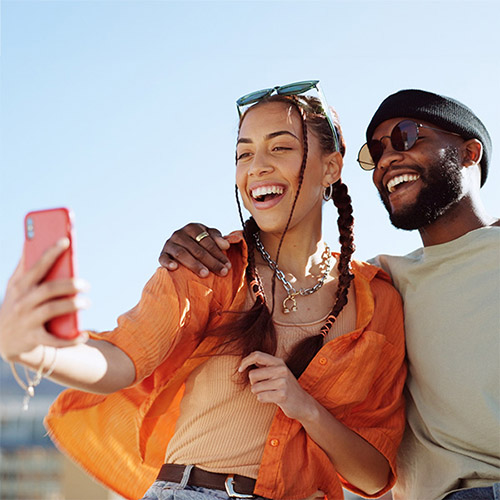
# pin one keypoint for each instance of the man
(430, 156)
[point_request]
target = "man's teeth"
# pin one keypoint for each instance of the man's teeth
(262, 191)
(395, 181)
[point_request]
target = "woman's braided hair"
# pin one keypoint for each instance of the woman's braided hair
(254, 329)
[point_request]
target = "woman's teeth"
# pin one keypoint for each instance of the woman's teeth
(399, 179)
(260, 193)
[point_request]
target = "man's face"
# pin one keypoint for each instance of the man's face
(419, 185)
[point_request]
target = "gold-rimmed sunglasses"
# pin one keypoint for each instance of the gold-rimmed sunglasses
(403, 137)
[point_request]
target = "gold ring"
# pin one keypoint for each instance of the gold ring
(202, 235)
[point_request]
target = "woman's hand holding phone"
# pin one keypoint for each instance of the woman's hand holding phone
(30, 302)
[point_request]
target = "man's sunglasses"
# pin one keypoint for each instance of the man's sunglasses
(297, 88)
(403, 137)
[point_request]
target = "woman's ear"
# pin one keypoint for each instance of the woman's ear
(472, 152)
(332, 171)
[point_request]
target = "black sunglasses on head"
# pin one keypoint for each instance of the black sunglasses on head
(403, 137)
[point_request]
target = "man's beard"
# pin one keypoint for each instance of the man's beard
(442, 189)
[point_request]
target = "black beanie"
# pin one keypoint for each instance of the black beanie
(442, 111)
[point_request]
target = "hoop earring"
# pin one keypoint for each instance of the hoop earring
(328, 193)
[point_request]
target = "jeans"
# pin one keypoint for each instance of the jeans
(166, 490)
(484, 493)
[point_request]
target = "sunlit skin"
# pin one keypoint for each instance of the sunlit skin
(269, 153)
(465, 215)
(413, 162)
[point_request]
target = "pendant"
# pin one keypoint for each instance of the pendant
(291, 297)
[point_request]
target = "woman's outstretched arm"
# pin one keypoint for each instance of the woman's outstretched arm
(94, 366)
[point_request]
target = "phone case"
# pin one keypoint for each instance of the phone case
(43, 228)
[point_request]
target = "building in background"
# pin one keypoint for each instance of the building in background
(31, 468)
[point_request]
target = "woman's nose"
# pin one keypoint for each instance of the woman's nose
(261, 164)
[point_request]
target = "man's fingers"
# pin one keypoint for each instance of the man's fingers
(221, 242)
(198, 248)
(173, 253)
(166, 261)
(205, 244)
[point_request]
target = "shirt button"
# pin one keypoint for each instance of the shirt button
(274, 442)
(322, 361)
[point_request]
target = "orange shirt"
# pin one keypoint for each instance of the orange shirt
(121, 438)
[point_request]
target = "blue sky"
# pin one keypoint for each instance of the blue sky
(124, 111)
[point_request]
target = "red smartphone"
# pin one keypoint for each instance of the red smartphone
(42, 229)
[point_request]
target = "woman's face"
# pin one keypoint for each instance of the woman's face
(269, 154)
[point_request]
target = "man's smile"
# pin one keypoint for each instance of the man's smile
(397, 181)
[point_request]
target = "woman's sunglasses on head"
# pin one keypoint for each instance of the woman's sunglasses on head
(403, 137)
(297, 88)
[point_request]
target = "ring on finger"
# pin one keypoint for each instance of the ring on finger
(202, 235)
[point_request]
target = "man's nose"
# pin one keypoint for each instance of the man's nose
(389, 154)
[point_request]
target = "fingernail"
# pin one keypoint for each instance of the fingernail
(82, 285)
(83, 337)
(228, 265)
(82, 302)
(63, 243)
(204, 273)
(172, 265)
(224, 271)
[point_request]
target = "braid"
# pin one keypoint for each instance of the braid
(254, 329)
(305, 351)
(345, 223)
(251, 330)
(301, 112)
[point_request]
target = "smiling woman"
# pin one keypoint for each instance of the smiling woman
(283, 380)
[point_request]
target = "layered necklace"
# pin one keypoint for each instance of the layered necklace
(290, 302)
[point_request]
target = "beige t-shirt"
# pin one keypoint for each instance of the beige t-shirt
(222, 427)
(451, 295)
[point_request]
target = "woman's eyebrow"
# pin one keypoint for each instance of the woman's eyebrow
(281, 132)
(272, 135)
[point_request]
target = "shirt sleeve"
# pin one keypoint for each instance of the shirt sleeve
(380, 418)
(172, 308)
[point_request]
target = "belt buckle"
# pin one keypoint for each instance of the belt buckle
(229, 485)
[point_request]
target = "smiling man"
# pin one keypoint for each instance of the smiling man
(430, 156)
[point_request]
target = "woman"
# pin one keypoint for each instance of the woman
(271, 389)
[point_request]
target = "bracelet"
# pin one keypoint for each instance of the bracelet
(29, 387)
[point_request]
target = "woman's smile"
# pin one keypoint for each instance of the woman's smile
(266, 195)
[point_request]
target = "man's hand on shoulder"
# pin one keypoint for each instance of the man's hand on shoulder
(197, 247)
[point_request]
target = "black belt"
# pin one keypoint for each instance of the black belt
(236, 486)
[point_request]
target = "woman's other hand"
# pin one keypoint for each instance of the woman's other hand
(272, 382)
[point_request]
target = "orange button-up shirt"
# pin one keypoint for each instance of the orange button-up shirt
(121, 438)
